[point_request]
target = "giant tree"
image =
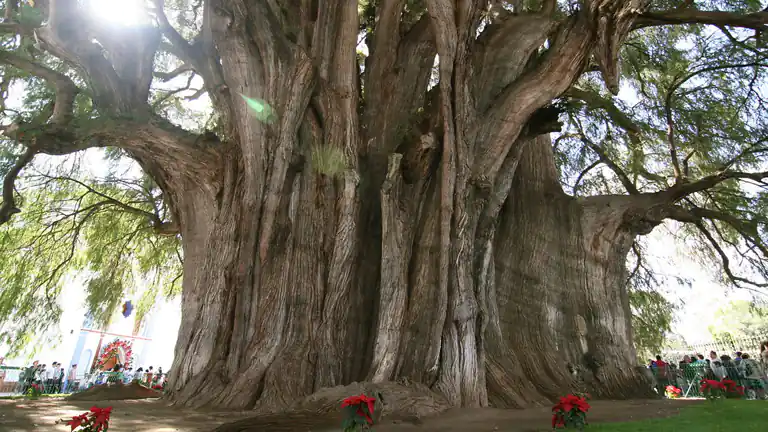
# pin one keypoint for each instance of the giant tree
(377, 196)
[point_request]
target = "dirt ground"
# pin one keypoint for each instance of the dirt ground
(156, 416)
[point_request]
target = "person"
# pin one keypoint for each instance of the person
(60, 379)
(752, 375)
(148, 377)
(158, 378)
(2, 373)
(72, 383)
(128, 375)
(661, 370)
(717, 368)
(731, 368)
(46, 378)
(55, 375)
(30, 376)
(764, 356)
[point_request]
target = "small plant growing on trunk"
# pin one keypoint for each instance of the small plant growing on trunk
(95, 420)
(570, 413)
(358, 413)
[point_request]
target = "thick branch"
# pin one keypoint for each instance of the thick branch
(595, 101)
(682, 190)
(8, 207)
(499, 59)
(756, 21)
(65, 89)
(519, 100)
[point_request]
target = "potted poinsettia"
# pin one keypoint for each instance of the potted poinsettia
(358, 413)
(570, 413)
(712, 389)
(672, 392)
(732, 390)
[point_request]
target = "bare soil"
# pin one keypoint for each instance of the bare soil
(153, 415)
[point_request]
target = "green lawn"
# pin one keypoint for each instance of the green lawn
(724, 415)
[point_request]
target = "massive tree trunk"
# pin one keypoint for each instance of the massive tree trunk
(427, 256)
(377, 231)
(335, 300)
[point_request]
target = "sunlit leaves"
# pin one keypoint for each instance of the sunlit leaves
(70, 227)
(651, 319)
(708, 86)
(740, 319)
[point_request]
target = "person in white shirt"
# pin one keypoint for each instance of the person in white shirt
(55, 373)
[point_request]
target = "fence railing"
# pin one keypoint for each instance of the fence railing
(726, 345)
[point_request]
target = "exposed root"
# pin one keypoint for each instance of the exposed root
(320, 410)
(117, 391)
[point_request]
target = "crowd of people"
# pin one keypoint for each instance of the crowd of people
(55, 379)
(149, 377)
(50, 378)
(691, 369)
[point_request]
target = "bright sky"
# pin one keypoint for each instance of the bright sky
(124, 12)
(700, 300)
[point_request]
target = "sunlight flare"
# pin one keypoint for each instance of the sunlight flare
(119, 12)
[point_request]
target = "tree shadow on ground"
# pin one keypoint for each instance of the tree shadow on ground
(158, 416)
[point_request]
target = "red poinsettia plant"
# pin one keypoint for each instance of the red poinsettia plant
(732, 390)
(570, 413)
(673, 392)
(358, 412)
(712, 389)
(95, 420)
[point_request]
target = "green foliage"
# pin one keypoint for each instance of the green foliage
(709, 85)
(740, 319)
(69, 225)
(652, 316)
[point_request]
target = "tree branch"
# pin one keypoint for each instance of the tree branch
(153, 218)
(589, 168)
(594, 101)
(509, 112)
(737, 280)
(756, 21)
(682, 190)
(64, 87)
(8, 206)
